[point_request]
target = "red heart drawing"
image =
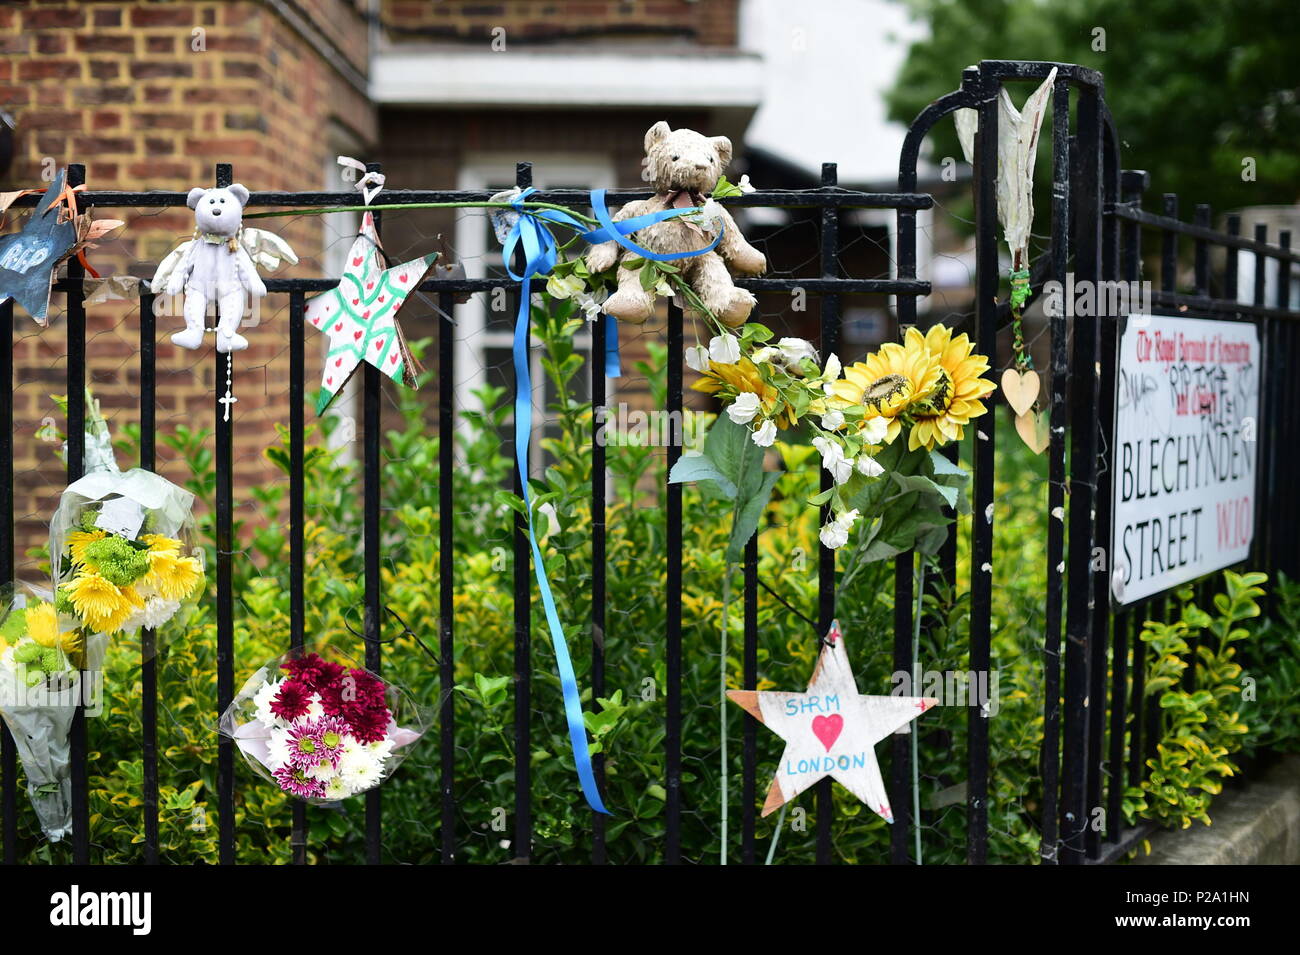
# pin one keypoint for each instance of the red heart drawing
(392, 359)
(828, 729)
(356, 301)
(381, 300)
(365, 314)
(329, 380)
(338, 362)
(403, 278)
(379, 344)
(356, 336)
(369, 286)
(356, 261)
(338, 326)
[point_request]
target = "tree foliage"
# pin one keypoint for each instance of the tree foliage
(1197, 87)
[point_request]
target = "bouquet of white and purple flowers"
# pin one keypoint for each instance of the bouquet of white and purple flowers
(323, 731)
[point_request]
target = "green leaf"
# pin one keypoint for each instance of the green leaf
(698, 467)
(748, 516)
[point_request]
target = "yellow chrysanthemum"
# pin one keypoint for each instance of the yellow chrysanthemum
(943, 415)
(745, 376)
(42, 622)
(158, 544)
(889, 382)
(78, 541)
(172, 576)
(99, 603)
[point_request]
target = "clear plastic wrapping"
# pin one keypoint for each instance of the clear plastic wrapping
(48, 665)
(322, 730)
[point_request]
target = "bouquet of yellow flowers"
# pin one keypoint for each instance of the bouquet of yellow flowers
(48, 665)
(121, 546)
(876, 424)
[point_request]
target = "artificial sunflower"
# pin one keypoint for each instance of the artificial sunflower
(889, 382)
(744, 376)
(99, 603)
(172, 576)
(78, 541)
(955, 401)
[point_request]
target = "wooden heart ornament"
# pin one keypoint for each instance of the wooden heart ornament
(1034, 430)
(1020, 389)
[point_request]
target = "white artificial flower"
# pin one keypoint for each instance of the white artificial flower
(710, 216)
(794, 350)
(724, 349)
(833, 459)
(744, 184)
(875, 430)
(832, 420)
(565, 287)
(591, 307)
(868, 466)
(664, 290)
(743, 409)
(831, 372)
(763, 355)
(697, 358)
(262, 700)
(836, 532)
(765, 435)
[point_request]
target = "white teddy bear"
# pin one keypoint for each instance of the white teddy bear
(217, 265)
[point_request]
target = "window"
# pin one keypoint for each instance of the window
(484, 338)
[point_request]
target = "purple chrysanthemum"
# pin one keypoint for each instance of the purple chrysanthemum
(296, 783)
(358, 699)
(307, 746)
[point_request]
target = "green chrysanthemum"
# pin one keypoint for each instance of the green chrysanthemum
(117, 560)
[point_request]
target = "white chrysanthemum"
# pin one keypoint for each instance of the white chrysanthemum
(380, 749)
(324, 771)
(277, 747)
(262, 700)
(314, 710)
(337, 788)
(361, 770)
(155, 612)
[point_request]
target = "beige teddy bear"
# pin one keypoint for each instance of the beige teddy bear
(684, 167)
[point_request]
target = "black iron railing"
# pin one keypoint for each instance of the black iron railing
(1097, 731)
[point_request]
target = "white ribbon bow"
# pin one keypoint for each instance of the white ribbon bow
(370, 182)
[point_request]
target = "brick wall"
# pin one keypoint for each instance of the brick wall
(149, 96)
(705, 22)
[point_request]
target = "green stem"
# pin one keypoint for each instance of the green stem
(722, 709)
(776, 835)
(916, 730)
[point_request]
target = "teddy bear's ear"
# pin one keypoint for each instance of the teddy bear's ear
(655, 133)
(240, 193)
(723, 147)
(197, 193)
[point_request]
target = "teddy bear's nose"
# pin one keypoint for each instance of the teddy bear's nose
(216, 212)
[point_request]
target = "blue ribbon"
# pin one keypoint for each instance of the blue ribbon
(540, 254)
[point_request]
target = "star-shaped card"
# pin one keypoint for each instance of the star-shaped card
(360, 315)
(29, 257)
(830, 730)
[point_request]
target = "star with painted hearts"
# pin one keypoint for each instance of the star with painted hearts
(830, 730)
(360, 315)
